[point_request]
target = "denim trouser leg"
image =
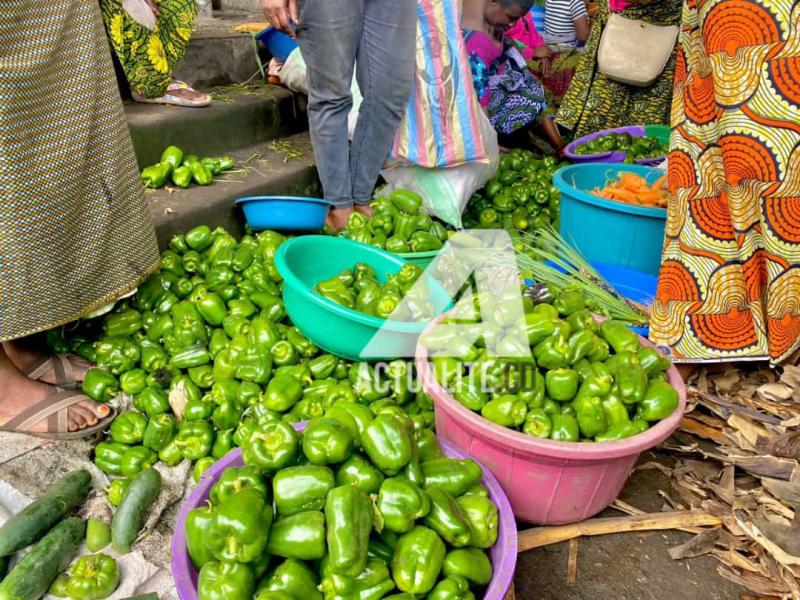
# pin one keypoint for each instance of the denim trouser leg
(385, 70)
(329, 38)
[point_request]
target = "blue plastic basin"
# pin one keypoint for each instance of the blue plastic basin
(606, 231)
(279, 44)
(284, 213)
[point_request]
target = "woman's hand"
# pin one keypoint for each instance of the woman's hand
(282, 14)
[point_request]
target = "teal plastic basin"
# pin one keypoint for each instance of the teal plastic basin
(305, 261)
(606, 231)
(421, 259)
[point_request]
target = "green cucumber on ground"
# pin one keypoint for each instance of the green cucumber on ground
(132, 511)
(32, 576)
(36, 519)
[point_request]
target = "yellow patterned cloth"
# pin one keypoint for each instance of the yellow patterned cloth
(75, 232)
(148, 57)
(729, 286)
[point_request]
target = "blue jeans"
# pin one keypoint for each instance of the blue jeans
(377, 38)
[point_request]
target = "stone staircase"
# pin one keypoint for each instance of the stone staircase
(263, 127)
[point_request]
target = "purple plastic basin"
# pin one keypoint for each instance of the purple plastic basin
(611, 157)
(503, 554)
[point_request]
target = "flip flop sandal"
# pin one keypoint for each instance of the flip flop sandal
(174, 100)
(60, 365)
(55, 409)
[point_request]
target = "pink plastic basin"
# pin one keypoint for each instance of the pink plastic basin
(546, 482)
(503, 554)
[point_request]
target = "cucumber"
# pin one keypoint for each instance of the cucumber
(32, 576)
(132, 511)
(33, 521)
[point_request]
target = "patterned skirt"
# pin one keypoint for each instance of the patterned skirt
(729, 286)
(149, 57)
(75, 233)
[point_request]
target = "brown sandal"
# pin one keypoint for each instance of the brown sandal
(60, 365)
(55, 408)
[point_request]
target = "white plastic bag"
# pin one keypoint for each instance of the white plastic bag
(445, 191)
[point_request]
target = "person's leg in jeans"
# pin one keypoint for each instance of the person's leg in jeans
(329, 37)
(385, 70)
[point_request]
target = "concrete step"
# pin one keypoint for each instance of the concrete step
(219, 55)
(242, 120)
(261, 169)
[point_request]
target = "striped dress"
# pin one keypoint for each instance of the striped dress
(75, 233)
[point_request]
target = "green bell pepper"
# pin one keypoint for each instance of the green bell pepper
(198, 524)
(128, 428)
(170, 454)
(618, 432)
(582, 319)
(201, 175)
(160, 431)
(254, 364)
(652, 362)
(327, 441)
(406, 201)
(283, 353)
(631, 384)
(451, 588)
(470, 563)
(98, 535)
(137, 459)
(561, 384)
(565, 428)
(116, 490)
(201, 466)
(660, 401)
(172, 155)
(92, 577)
(360, 472)
(418, 559)
(151, 401)
(108, 457)
(569, 302)
(155, 176)
(552, 352)
(195, 439)
(397, 245)
(300, 536)
(619, 336)
(99, 385)
(294, 578)
(388, 443)
(303, 488)
(235, 479)
(447, 519)
(507, 410)
(591, 416)
(453, 475)
(240, 527)
(211, 307)
(424, 241)
(373, 583)
(348, 522)
(615, 410)
(227, 415)
(482, 516)
(272, 446)
(400, 503)
(537, 423)
(182, 176)
(123, 323)
(226, 581)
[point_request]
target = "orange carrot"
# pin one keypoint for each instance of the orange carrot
(660, 183)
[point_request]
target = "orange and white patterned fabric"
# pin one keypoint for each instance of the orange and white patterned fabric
(729, 286)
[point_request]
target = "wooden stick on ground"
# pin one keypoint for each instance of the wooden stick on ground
(572, 562)
(544, 536)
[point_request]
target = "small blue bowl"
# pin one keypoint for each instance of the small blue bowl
(284, 213)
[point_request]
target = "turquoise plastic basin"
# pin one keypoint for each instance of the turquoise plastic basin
(305, 261)
(605, 231)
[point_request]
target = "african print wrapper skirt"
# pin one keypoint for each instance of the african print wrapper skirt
(729, 286)
(75, 232)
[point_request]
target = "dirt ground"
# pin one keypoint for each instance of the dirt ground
(628, 566)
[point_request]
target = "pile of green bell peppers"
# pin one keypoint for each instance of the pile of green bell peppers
(181, 170)
(521, 195)
(359, 506)
(401, 297)
(398, 224)
(579, 379)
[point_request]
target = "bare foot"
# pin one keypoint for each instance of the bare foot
(337, 218)
(17, 393)
(23, 357)
(364, 209)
